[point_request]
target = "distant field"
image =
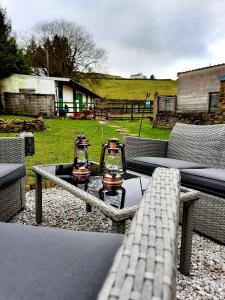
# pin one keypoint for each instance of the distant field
(134, 89)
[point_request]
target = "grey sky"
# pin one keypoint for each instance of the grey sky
(160, 37)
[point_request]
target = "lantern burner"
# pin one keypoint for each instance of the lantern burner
(81, 174)
(82, 142)
(112, 180)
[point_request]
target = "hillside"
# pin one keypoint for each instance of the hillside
(134, 88)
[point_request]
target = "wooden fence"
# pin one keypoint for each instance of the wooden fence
(116, 109)
(167, 103)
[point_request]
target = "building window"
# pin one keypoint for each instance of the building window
(27, 91)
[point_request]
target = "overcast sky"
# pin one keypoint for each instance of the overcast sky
(160, 37)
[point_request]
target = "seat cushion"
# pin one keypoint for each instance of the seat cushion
(209, 180)
(50, 264)
(147, 165)
(10, 173)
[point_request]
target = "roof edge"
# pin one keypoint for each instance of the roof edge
(223, 64)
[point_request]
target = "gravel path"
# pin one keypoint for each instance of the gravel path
(62, 210)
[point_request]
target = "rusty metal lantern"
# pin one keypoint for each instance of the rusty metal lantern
(81, 166)
(112, 164)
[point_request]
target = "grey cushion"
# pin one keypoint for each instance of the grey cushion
(10, 173)
(208, 180)
(147, 165)
(50, 264)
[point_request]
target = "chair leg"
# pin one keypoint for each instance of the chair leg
(186, 238)
(38, 197)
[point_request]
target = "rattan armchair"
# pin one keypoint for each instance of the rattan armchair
(12, 196)
(198, 151)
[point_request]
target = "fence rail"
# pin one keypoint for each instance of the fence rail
(110, 110)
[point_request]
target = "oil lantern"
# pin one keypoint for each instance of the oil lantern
(112, 164)
(81, 166)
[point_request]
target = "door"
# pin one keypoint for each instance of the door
(79, 102)
(213, 100)
(60, 100)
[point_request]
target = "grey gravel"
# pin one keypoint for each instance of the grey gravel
(62, 210)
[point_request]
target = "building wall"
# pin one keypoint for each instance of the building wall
(29, 104)
(41, 85)
(194, 88)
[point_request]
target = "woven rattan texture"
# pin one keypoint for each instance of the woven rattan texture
(10, 201)
(144, 147)
(12, 198)
(202, 144)
(12, 150)
(145, 265)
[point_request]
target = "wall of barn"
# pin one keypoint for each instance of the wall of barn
(29, 104)
(194, 87)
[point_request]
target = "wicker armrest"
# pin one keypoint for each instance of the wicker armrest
(145, 265)
(12, 150)
(136, 146)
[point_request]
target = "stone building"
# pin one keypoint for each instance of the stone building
(198, 90)
(200, 99)
(32, 95)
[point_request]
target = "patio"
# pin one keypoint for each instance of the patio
(63, 210)
(206, 280)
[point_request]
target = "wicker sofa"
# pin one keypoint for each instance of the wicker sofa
(12, 176)
(199, 153)
(53, 264)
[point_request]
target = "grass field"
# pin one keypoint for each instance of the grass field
(56, 144)
(134, 89)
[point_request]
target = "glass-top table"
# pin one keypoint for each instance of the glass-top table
(119, 205)
(130, 193)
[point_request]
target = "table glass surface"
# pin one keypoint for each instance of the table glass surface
(133, 186)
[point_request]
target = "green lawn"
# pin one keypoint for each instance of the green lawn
(56, 144)
(134, 89)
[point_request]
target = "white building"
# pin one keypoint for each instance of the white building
(138, 76)
(62, 90)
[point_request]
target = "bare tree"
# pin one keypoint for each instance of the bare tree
(68, 48)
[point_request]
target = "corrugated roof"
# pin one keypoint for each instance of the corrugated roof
(223, 64)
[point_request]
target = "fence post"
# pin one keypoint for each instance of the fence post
(132, 112)
(156, 105)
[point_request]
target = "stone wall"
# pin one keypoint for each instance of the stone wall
(168, 120)
(29, 104)
(220, 112)
(7, 126)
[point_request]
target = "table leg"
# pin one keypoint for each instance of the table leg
(119, 227)
(186, 238)
(38, 197)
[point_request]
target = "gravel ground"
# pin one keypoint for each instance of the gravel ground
(62, 210)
